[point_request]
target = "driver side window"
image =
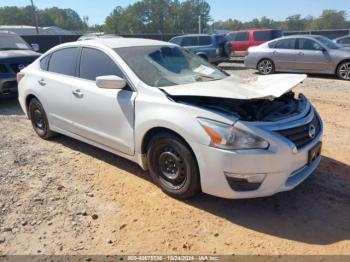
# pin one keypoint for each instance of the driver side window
(308, 44)
(94, 63)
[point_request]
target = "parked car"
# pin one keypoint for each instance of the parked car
(241, 40)
(300, 53)
(343, 41)
(15, 54)
(211, 48)
(193, 126)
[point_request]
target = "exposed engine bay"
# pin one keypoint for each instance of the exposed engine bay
(267, 110)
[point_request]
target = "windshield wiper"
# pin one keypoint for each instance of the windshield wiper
(199, 77)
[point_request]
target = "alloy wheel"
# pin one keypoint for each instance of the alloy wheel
(344, 71)
(265, 67)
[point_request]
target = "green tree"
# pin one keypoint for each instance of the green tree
(64, 18)
(330, 19)
(158, 16)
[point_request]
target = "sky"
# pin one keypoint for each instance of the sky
(220, 9)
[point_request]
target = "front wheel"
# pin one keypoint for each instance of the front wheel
(39, 119)
(266, 67)
(172, 166)
(343, 71)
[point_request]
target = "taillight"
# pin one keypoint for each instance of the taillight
(19, 77)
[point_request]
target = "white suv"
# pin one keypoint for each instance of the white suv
(191, 124)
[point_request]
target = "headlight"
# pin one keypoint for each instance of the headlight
(3, 69)
(228, 137)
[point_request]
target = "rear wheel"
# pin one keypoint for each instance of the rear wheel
(343, 71)
(39, 119)
(266, 67)
(172, 166)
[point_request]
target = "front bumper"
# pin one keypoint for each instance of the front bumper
(284, 167)
(8, 86)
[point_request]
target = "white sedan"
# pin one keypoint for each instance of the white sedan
(193, 126)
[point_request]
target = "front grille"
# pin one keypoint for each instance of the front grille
(300, 135)
(18, 66)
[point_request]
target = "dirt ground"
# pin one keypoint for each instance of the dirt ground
(65, 197)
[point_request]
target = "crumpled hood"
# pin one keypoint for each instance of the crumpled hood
(270, 87)
(18, 53)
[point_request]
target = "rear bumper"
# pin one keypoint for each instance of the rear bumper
(238, 53)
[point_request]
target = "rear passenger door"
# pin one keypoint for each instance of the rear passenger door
(55, 82)
(101, 115)
(284, 54)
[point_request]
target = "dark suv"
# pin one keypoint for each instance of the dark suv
(15, 54)
(212, 48)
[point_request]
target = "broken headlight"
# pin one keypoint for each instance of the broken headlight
(228, 137)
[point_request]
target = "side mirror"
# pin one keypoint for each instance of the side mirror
(110, 82)
(35, 47)
(324, 50)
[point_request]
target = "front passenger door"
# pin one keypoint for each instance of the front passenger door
(101, 115)
(311, 56)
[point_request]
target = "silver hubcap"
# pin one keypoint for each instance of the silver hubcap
(344, 71)
(265, 67)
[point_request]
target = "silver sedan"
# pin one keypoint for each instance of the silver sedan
(300, 53)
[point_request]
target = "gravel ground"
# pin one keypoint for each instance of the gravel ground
(65, 197)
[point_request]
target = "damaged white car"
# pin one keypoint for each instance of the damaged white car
(194, 127)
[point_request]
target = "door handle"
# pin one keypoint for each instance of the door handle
(77, 93)
(300, 53)
(42, 82)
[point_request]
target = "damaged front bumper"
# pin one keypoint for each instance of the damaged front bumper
(255, 173)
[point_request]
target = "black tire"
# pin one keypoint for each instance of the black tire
(39, 119)
(343, 70)
(172, 166)
(266, 67)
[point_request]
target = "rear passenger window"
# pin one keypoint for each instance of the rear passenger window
(176, 41)
(190, 41)
(205, 40)
(44, 62)
(272, 44)
(64, 61)
(95, 63)
(344, 40)
(242, 36)
(263, 35)
(285, 44)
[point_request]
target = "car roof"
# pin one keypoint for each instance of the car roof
(302, 36)
(345, 36)
(118, 42)
(250, 30)
(4, 33)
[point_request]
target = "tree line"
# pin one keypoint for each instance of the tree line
(64, 18)
(165, 16)
(329, 19)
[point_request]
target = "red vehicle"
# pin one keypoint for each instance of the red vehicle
(241, 40)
